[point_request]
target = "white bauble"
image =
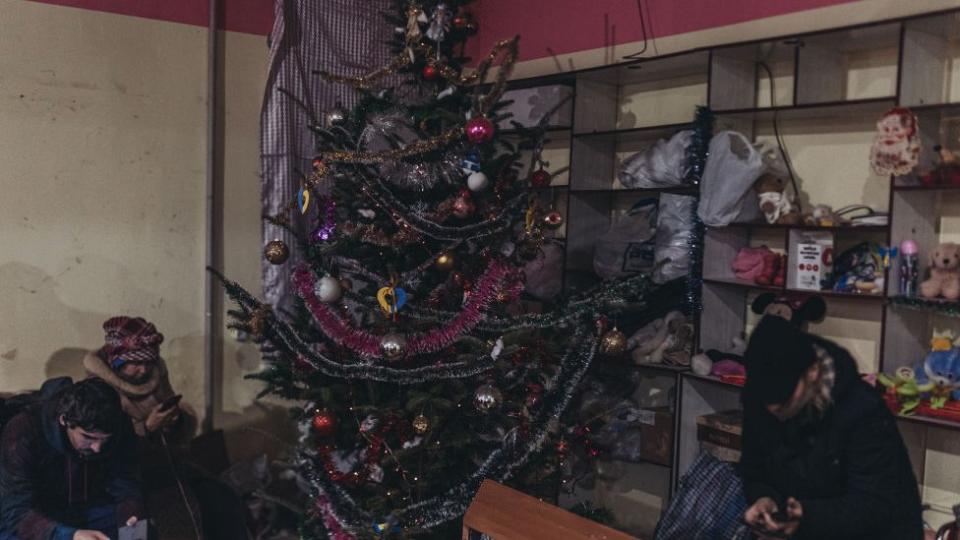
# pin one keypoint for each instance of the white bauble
(328, 289)
(477, 181)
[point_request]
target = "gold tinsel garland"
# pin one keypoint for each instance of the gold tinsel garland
(509, 49)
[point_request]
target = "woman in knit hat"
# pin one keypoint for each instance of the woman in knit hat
(819, 444)
(130, 361)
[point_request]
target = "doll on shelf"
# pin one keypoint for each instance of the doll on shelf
(946, 172)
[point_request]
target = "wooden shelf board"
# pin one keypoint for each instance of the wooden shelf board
(832, 294)
(680, 190)
(741, 283)
(931, 189)
(830, 109)
(931, 305)
(844, 228)
(666, 129)
(712, 380)
(508, 132)
(929, 421)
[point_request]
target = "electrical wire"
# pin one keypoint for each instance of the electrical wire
(776, 132)
(183, 490)
(643, 33)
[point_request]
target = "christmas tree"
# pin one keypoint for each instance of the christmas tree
(420, 367)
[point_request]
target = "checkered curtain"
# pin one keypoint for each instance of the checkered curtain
(340, 36)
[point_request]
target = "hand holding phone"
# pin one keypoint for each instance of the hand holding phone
(137, 531)
(170, 402)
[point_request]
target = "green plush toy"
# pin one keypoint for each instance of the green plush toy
(905, 386)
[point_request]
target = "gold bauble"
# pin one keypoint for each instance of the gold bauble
(613, 342)
(445, 261)
(421, 424)
(276, 251)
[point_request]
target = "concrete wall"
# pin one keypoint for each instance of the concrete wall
(103, 133)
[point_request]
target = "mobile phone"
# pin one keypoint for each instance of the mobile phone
(170, 402)
(761, 529)
(137, 531)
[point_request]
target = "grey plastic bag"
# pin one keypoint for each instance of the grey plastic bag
(628, 245)
(664, 164)
(726, 187)
(674, 227)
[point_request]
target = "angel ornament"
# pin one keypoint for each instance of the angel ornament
(896, 145)
(440, 24)
(413, 34)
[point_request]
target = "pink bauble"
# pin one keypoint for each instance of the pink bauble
(909, 247)
(480, 130)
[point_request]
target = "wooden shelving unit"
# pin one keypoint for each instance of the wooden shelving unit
(824, 92)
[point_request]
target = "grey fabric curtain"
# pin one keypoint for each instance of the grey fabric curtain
(340, 36)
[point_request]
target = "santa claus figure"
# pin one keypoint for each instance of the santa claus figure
(896, 146)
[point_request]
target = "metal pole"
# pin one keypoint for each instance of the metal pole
(211, 288)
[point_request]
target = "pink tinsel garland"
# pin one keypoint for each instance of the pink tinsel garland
(494, 280)
(330, 521)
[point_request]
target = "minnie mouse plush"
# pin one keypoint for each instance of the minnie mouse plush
(799, 309)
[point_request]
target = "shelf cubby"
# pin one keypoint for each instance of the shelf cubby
(931, 60)
(850, 64)
(699, 396)
(738, 80)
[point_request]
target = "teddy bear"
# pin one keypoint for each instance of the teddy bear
(944, 273)
(775, 203)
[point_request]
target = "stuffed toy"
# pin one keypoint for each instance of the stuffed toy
(775, 203)
(760, 265)
(896, 145)
(749, 262)
(714, 362)
(796, 308)
(822, 216)
(771, 267)
(667, 340)
(944, 273)
(942, 370)
(860, 269)
(947, 171)
(905, 389)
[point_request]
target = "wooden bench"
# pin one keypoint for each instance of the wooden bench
(503, 513)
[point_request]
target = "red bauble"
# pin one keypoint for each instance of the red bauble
(463, 207)
(461, 22)
(563, 447)
(324, 423)
(430, 72)
(317, 163)
(480, 130)
(540, 178)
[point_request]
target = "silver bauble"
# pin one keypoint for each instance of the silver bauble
(393, 346)
(336, 116)
(328, 289)
(487, 398)
(477, 181)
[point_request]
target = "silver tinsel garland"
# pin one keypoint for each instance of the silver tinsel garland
(499, 465)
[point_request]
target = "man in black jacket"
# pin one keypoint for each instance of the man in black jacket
(819, 444)
(68, 466)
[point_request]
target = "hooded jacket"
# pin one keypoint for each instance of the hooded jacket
(46, 487)
(848, 467)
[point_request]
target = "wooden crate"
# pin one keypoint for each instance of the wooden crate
(502, 513)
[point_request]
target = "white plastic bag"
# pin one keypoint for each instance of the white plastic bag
(674, 227)
(726, 187)
(664, 164)
(627, 247)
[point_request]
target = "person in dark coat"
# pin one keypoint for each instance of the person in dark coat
(820, 445)
(68, 466)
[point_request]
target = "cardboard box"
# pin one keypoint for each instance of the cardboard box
(720, 434)
(656, 435)
(531, 104)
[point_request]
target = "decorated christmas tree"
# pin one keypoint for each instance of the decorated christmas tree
(421, 366)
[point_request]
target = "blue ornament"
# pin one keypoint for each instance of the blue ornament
(471, 162)
(389, 525)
